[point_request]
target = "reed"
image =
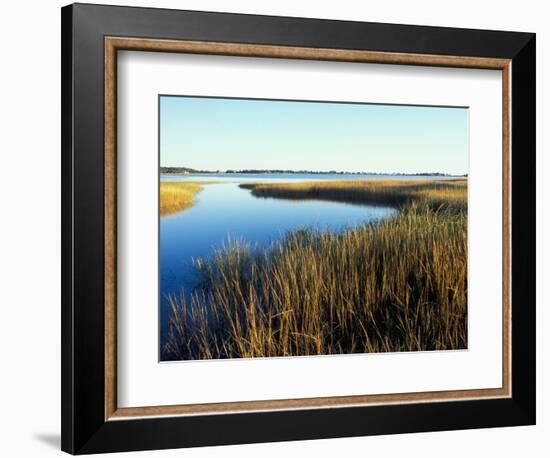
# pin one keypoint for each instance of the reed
(446, 193)
(400, 285)
(176, 196)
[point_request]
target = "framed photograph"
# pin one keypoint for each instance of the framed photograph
(281, 228)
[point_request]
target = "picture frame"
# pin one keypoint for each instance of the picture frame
(92, 37)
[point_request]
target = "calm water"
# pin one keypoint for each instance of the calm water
(224, 212)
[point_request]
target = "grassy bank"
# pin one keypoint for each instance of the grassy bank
(176, 196)
(397, 286)
(435, 194)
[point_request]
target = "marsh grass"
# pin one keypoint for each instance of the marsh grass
(400, 285)
(436, 194)
(176, 196)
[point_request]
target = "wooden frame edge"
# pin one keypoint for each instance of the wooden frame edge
(292, 52)
(112, 45)
(507, 227)
(110, 90)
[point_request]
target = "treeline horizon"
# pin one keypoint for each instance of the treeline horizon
(188, 170)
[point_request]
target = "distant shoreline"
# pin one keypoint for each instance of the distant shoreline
(189, 171)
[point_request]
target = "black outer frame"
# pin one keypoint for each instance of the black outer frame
(84, 429)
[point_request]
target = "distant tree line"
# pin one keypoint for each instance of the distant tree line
(184, 170)
(187, 170)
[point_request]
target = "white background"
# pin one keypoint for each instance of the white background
(30, 230)
(144, 382)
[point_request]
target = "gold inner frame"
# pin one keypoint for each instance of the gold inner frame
(112, 45)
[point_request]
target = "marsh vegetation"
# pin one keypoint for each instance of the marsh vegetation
(397, 285)
(178, 196)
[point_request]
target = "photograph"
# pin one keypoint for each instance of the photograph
(293, 228)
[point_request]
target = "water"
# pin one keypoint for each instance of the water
(224, 212)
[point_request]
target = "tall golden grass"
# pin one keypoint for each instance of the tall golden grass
(384, 192)
(400, 285)
(177, 196)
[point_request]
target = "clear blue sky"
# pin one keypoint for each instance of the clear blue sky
(221, 134)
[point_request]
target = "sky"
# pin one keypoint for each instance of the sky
(220, 134)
